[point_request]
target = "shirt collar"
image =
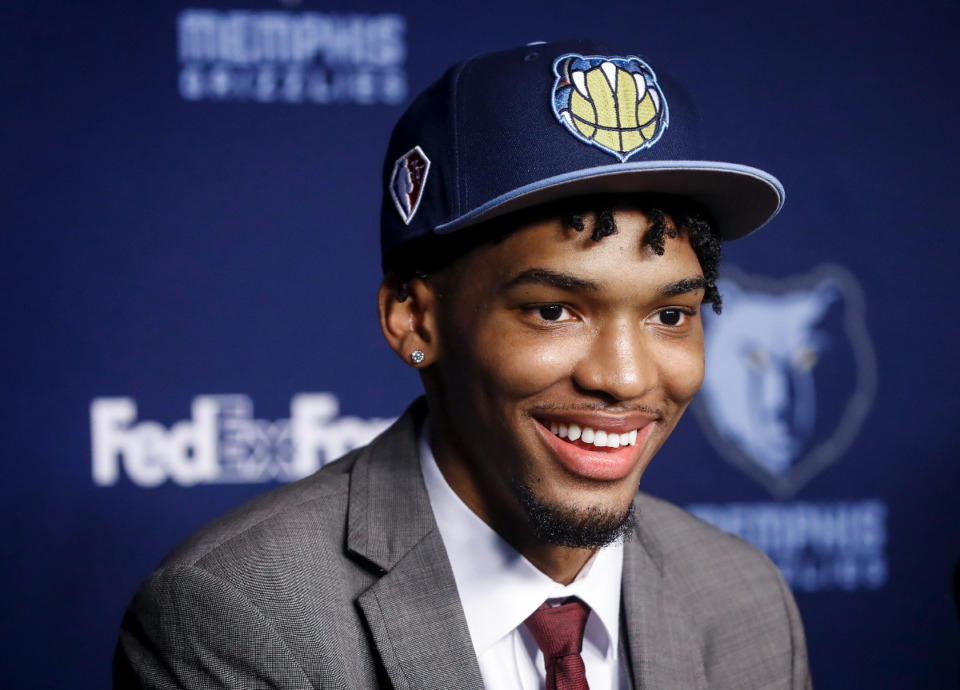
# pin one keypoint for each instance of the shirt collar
(498, 587)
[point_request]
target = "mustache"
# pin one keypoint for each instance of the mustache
(597, 406)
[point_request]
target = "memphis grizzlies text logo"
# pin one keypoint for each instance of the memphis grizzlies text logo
(613, 103)
(790, 376)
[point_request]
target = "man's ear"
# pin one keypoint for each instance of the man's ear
(410, 326)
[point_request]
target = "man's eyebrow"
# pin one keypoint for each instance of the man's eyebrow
(544, 276)
(683, 286)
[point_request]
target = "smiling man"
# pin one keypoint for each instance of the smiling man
(555, 366)
(550, 234)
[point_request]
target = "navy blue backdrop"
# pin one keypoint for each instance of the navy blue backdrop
(190, 202)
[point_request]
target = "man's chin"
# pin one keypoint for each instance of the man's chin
(575, 527)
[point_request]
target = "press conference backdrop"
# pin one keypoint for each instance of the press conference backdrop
(189, 263)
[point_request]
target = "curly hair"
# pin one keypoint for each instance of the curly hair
(669, 217)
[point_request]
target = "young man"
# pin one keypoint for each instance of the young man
(549, 236)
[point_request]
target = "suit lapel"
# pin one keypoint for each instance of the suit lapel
(418, 624)
(664, 651)
(413, 610)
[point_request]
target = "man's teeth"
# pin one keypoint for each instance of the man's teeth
(596, 437)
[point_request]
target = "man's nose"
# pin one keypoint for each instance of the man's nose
(619, 362)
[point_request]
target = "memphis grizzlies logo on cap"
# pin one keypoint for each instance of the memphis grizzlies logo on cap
(613, 103)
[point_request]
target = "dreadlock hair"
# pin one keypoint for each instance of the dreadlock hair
(669, 217)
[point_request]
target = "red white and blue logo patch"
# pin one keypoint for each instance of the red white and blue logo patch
(407, 182)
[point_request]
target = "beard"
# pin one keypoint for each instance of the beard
(574, 527)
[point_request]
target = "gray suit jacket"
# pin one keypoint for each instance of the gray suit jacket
(341, 580)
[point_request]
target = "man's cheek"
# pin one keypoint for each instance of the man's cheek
(682, 370)
(523, 368)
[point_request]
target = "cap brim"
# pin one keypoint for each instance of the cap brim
(741, 199)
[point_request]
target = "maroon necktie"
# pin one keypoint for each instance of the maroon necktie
(558, 631)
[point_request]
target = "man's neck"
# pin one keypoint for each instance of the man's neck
(560, 563)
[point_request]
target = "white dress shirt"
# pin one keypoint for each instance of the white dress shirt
(499, 589)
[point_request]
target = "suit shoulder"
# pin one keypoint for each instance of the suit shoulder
(716, 574)
(739, 608)
(316, 499)
(684, 541)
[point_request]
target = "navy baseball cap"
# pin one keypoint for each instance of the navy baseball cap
(513, 129)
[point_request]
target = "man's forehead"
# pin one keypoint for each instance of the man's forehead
(601, 230)
(550, 252)
(572, 282)
(580, 228)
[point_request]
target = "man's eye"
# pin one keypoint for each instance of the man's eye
(551, 312)
(671, 317)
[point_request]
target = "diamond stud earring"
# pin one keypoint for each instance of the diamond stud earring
(417, 356)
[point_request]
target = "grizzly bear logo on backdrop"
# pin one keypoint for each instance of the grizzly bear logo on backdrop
(791, 374)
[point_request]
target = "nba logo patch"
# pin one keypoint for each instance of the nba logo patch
(407, 181)
(613, 103)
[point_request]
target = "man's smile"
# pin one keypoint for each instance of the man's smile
(604, 451)
(599, 438)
